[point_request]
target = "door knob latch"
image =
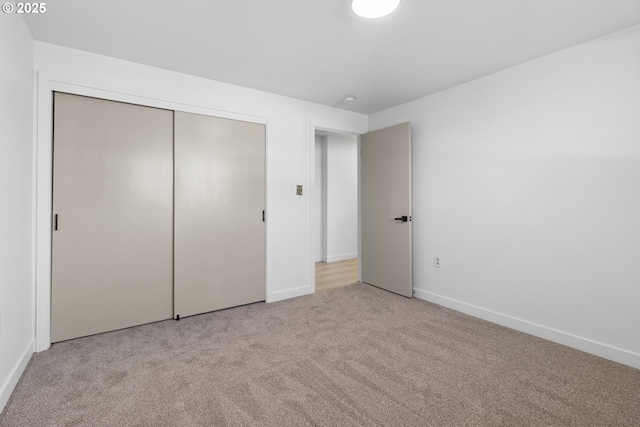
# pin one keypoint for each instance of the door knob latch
(403, 218)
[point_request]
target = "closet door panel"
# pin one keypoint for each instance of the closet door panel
(113, 197)
(219, 199)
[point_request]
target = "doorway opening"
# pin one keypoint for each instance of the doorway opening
(335, 210)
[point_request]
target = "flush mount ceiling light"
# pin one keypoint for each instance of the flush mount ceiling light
(374, 8)
(348, 98)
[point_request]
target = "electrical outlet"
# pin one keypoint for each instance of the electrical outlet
(437, 262)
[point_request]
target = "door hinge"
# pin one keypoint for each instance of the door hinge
(55, 222)
(263, 215)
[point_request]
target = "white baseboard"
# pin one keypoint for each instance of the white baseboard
(7, 387)
(589, 346)
(342, 257)
(289, 293)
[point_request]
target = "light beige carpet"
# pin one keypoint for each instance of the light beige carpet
(355, 355)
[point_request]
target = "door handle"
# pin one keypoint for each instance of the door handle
(403, 218)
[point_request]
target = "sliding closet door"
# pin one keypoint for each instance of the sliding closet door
(219, 202)
(112, 205)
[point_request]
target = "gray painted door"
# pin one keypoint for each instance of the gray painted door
(385, 192)
(219, 201)
(113, 205)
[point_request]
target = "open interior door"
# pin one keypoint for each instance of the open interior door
(385, 200)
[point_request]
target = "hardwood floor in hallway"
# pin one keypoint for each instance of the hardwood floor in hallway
(336, 274)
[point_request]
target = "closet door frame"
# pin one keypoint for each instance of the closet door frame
(47, 83)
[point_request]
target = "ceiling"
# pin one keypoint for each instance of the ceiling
(318, 50)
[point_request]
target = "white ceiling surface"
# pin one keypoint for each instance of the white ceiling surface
(318, 50)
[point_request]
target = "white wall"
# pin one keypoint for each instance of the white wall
(527, 184)
(16, 193)
(342, 197)
(290, 125)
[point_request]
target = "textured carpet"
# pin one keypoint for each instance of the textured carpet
(349, 356)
